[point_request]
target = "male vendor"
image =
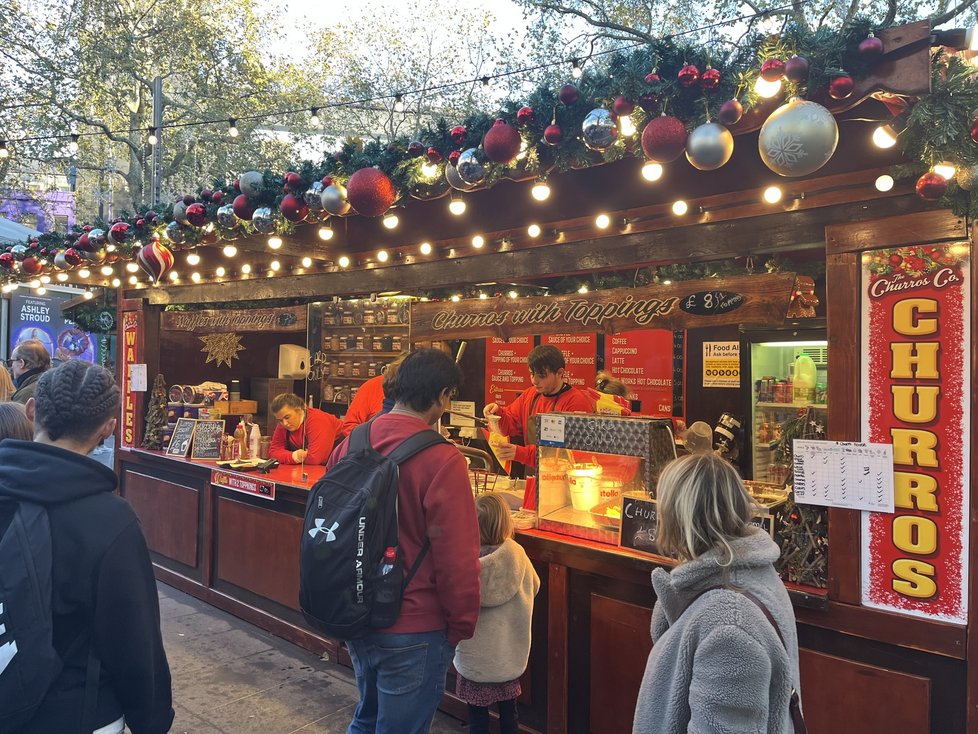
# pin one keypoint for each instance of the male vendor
(551, 393)
(303, 435)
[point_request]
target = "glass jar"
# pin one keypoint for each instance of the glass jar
(356, 369)
(334, 343)
(377, 343)
(358, 344)
(395, 344)
(371, 369)
(351, 342)
(341, 368)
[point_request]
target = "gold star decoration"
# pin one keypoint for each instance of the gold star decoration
(221, 348)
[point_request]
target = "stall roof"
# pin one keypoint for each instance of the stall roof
(11, 232)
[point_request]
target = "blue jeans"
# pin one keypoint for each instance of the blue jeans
(401, 679)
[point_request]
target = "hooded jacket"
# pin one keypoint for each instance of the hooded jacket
(719, 666)
(104, 593)
(500, 648)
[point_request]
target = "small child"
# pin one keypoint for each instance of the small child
(491, 663)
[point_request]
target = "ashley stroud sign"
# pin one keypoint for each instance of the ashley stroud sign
(748, 299)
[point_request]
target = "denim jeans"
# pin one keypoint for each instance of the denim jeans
(401, 679)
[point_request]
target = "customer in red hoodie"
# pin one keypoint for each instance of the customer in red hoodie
(371, 398)
(303, 435)
(401, 670)
(550, 393)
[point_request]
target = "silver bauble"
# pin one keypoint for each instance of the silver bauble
(966, 177)
(262, 219)
(454, 180)
(18, 251)
(59, 261)
(709, 146)
(470, 168)
(180, 212)
(798, 138)
(97, 237)
(334, 200)
(225, 216)
(599, 129)
(174, 232)
(251, 184)
(99, 255)
(314, 196)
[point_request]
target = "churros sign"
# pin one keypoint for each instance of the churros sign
(915, 395)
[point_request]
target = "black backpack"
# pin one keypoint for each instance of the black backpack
(29, 663)
(350, 520)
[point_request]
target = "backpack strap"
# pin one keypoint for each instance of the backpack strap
(359, 438)
(415, 444)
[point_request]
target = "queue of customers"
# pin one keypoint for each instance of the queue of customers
(725, 656)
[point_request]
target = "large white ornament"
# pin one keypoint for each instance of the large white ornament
(798, 138)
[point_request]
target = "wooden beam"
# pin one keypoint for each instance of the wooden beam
(693, 243)
(911, 229)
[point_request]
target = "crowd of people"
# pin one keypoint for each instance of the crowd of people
(725, 656)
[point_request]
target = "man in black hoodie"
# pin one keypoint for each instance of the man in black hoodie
(104, 595)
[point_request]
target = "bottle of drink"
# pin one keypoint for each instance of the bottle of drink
(240, 440)
(387, 565)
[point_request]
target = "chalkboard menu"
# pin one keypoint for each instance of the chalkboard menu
(183, 436)
(207, 440)
(639, 523)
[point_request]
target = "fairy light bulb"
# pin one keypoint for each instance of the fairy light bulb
(344, 261)
(220, 272)
(456, 298)
(652, 171)
(174, 275)
(275, 265)
(132, 267)
(398, 103)
(425, 248)
(153, 137)
(73, 144)
(314, 117)
(232, 127)
(483, 295)
(945, 169)
(533, 230)
(246, 268)
(307, 262)
(602, 221)
(41, 290)
(478, 242)
(680, 207)
(884, 136)
(391, 221)
(429, 169)
(513, 294)
(62, 277)
(106, 270)
(195, 277)
(45, 279)
(133, 280)
(884, 183)
(383, 256)
(457, 207)
(325, 233)
(193, 259)
(84, 273)
(583, 289)
(576, 69)
(4, 150)
(626, 126)
(115, 283)
(274, 242)
(36, 283)
(772, 194)
(88, 295)
(767, 89)
(540, 190)
(230, 250)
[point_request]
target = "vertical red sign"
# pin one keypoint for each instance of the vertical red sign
(642, 359)
(132, 325)
(581, 353)
(506, 372)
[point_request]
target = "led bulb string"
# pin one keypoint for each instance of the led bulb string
(319, 107)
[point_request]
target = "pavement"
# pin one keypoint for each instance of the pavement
(232, 677)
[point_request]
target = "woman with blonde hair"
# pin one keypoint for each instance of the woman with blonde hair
(7, 388)
(725, 653)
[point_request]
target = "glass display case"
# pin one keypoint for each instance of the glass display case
(587, 465)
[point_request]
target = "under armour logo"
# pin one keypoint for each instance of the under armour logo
(7, 649)
(329, 532)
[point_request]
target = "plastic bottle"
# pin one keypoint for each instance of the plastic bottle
(240, 441)
(803, 385)
(387, 565)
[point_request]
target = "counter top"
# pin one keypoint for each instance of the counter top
(286, 474)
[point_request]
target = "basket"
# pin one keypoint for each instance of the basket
(483, 480)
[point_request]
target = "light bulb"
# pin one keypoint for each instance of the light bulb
(233, 127)
(344, 261)
(456, 207)
(45, 279)
(680, 207)
(62, 277)
(41, 290)
(602, 221)
(772, 194)
(133, 280)
(576, 69)
(429, 169)
(485, 82)
(945, 169)
(246, 268)
(275, 242)
(884, 136)
(195, 277)
(73, 145)
(667, 282)
(391, 221)
(533, 230)
(307, 262)
(884, 182)
(483, 296)
(4, 151)
(106, 270)
(314, 117)
(478, 241)
(152, 138)
(275, 265)
(398, 103)
(132, 267)
(326, 233)
(425, 248)
(36, 283)
(456, 298)
(84, 273)
(513, 294)
(540, 191)
(652, 171)
(582, 289)
(230, 250)
(116, 282)
(174, 275)
(382, 256)
(767, 89)
(193, 259)
(220, 272)
(626, 126)
(88, 295)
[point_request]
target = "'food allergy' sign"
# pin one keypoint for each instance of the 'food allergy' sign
(721, 364)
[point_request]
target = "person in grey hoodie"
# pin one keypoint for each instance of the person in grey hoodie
(492, 661)
(717, 663)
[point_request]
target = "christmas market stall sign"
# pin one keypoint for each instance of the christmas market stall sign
(231, 320)
(749, 299)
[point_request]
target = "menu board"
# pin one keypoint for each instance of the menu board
(183, 436)
(643, 360)
(581, 353)
(207, 440)
(639, 523)
(506, 372)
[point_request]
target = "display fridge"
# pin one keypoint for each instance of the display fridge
(788, 374)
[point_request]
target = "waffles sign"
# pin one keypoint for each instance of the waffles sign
(756, 299)
(915, 395)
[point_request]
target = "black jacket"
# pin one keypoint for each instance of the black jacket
(104, 592)
(26, 383)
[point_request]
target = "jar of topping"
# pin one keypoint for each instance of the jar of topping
(351, 342)
(347, 318)
(358, 343)
(341, 368)
(371, 369)
(334, 342)
(356, 369)
(395, 344)
(377, 343)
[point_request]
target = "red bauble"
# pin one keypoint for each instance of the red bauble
(454, 156)
(236, 184)
(415, 148)
(930, 187)
(772, 70)
(664, 139)
(730, 112)
(370, 192)
(206, 194)
(710, 80)
(84, 243)
(870, 48)
(140, 223)
(974, 131)
(433, 155)
(6, 261)
(73, 257)
(31, 265)
(622, 106)
(217, 197)
(501, 143)
(525, 115)
(553, 134)
(688, 76)
(327, 181)
(293, 180)
(189, 199)
(242, 207)
(652, 77)
(796, 69)
(569, 94)
(87, 228)
(294, 208)
(197, 215)
(841, 87)
(457, 134)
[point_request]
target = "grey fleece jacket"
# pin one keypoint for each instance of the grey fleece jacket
(500, 647)
(720, 667)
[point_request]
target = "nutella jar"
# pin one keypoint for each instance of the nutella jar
(358, 344)
(369, 315)
(356, 369)
(341, 369)
(372, 369)
(396, 344)
(347, 317)
(377, 344)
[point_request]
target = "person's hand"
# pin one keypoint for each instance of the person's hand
(491, 410)
(299, 455)
(504, 451)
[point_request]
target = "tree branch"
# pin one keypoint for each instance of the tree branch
(952, 13)
(891, 9)
(633, 33)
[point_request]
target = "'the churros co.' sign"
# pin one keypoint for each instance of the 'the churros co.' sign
(755, 299)
(915, 394)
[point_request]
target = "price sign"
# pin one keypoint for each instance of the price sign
(183, 436)
(207, 440)
(711, 303)
(639, 523)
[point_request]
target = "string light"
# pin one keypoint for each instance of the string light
(84, 273)
(884, 183)
(390, 220)
(153, 136)
(680, 207)
(314, 116)
(478, 242)
(116, 282)
(884, 136)
(602, 221)
(4, 151)
(425, 248)
(398, 103)
(246, 268)
(344, 261)
(513, 294)
(73, 144)
(945, 169)
(230, 250)
(307, 262)
(485, 82)
(45, 279)
(274, 242)
(195, 277)
(626, 126)
(326, 232)
(576, 69)
(41, 291)
(275, 265)
(88, 295)
(456, 298)
(533, 230)
(429, 169)
(483, 295)
(457, 206)
(106, 270)
(382, 256)
(232, 127)
(174, 275)
(36, 283)
(192, 259)
(133, 280)
(62, 277)
(766, 89)
(583, 289)
(540, 190)
(220, 272)
(652, 171)
(772, 194)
